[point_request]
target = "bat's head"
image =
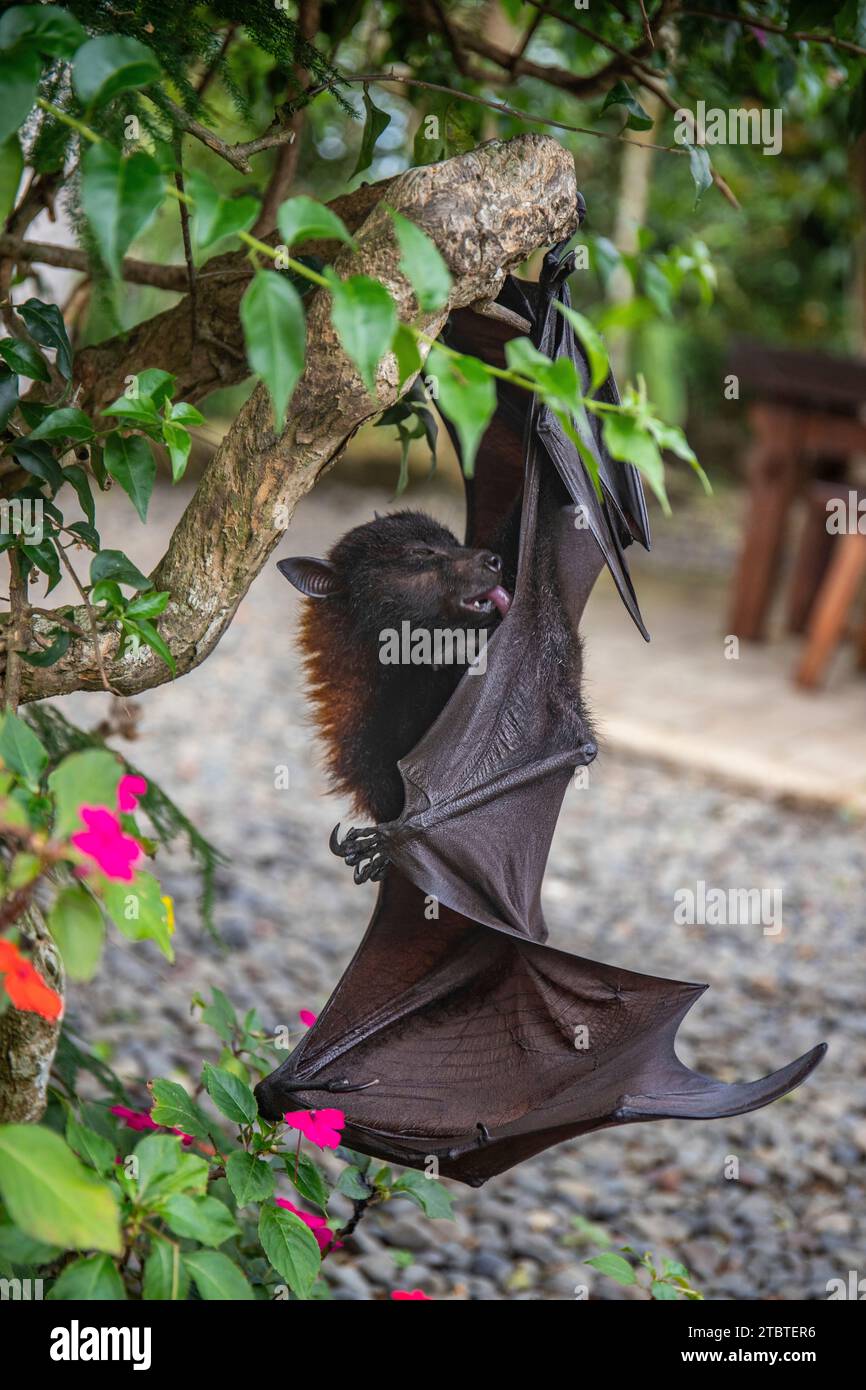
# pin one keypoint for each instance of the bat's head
(405, 567)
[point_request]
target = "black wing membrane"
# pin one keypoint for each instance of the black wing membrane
(457, 1040)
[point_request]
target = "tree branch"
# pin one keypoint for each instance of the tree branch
(804, 36)
(486, 211)
(217, 358)
(162, 277)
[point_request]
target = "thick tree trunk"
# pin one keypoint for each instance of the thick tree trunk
(28, 1042)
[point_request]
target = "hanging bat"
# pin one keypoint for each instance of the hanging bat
(457, 1040)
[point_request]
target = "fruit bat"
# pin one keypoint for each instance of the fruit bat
(458, 1041)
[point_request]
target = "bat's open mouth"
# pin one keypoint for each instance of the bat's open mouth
(496, 598)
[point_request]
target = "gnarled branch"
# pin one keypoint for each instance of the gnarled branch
(486, 211)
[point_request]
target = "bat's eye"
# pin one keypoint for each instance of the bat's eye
(422, 550)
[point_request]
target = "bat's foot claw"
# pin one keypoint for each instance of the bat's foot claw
(365, 849)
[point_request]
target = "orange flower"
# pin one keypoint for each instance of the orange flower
(25, 986)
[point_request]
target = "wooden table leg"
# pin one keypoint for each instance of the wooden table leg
(831, 610)
(773, 470)
(813, 557)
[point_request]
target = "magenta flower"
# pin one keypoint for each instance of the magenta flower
(140, 1119)
(133, 1119)
(307, 1017)
(104, 841)
(317, 1224)
(415, 1295)
(129, 790)
(321, 1127)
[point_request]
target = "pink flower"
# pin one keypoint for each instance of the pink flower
(307, 1018)
(129, 790)
(133, 1119)
(321, 1127)
(415, 1295)
(140, 1119)
(317, 1224)
(104, 841)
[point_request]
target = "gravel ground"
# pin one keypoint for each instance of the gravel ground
(291, 917)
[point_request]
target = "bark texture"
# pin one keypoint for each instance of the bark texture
(28, 1042)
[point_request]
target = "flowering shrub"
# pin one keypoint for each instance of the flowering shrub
(182, 1197)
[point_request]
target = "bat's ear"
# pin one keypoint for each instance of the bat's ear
(314, 578)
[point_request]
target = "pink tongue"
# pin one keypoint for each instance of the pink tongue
(501, 597)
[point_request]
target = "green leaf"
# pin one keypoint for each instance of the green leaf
(309, 1179)
(626, 440)
(11, 166)
(50, 1195)
(166, 1278)
(291, 1248)
(66, 423)
(215, 216)
(21, 750)
(701, 170)
(622, 95)
(665, 1293)
(8, 395)
(89, 778)
(467, 395)
(129, 460)
(175, 1109)
(109, 64)
(204, 1219)
(178, 442)
(94, 1278)
(303, 219)
(250, 1178)
(94, 1148)
(24, 359)
(405, 348)
(136, 909)
(375, 121)
(275, 332)
(119, 196)
(155, 384)
(230, 1095)
(615, 1267)
(166, 1168)
(19, 82)
(113, 564)
(77, 926)
(427, 1193)
(352, 1183)
(46, 28)
(45, 558)
(45, 324)
(185, 414)
(21, 1249)
(217, 1277)
(422, 264)
(590, 340)
(144, 629)
(38, 460)
(365, 316)
(148, 605)
(220, 1015)
(50, 655)
(78, 479)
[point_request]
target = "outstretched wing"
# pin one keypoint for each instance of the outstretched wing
(475, 1049)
